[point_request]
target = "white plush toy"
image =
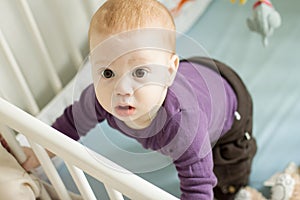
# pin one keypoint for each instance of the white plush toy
(284, 186)
(265, 19)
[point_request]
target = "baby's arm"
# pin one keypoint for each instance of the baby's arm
(197, 180)
(81, 116)
(31, 161)
(76, 120)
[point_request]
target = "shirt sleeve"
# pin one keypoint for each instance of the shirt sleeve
(191, 151)
(80, 117)
(197, 180)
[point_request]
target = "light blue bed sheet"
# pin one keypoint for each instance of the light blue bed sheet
(271, 74)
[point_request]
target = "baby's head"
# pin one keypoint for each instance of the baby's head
(132, 44)
(116, 16)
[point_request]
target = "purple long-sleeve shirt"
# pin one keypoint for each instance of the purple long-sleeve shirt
(198, 109)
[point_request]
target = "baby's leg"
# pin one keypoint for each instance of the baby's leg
(15, 183)
(232, 166)
(234, 151)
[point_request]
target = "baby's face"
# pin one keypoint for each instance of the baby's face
(133, 86)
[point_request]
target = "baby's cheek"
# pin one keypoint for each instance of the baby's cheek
(104, 98)
(150, 94)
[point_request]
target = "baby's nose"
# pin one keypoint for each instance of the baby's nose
(124, 87)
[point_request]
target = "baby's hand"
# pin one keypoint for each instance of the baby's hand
(32, 161)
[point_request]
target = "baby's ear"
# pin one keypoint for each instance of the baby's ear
(173, 67)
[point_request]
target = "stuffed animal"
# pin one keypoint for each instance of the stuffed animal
(265, 19)
(284, 186)
(248, 193)
(175, 11)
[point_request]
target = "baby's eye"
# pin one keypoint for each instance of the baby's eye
(139, 73)
(107, 73)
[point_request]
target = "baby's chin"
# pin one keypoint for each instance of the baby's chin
(135, 122)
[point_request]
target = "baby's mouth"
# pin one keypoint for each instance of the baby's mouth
(125, 107)
(125, 110)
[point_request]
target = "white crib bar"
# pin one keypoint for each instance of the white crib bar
(81, 182)
(122, 180)
(77, 57)
(29, 98)
(53, 77)
(88, 8)
(50, 171)
(113, 194)
(15, 148)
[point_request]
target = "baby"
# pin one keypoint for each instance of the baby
(196, 111)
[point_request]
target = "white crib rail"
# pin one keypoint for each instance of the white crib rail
(50, 171)
(116, 181)
(81, 182)
(55, 81)
(28, 96)
(15, 148)
(50, 68)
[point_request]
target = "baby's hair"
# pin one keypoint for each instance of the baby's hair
(115, 16)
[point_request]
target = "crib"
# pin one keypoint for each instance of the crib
(43, 45)
(44, 79)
